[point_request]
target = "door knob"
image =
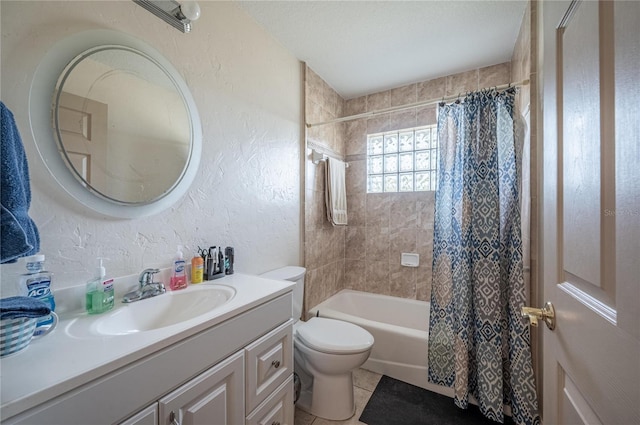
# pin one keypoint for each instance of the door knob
(546, 313)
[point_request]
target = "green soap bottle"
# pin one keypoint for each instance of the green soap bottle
(100, 293)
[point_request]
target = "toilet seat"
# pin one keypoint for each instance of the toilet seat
(334, 336)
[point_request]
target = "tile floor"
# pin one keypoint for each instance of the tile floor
(364, 383)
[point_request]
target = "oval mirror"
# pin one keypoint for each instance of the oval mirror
(115, 124)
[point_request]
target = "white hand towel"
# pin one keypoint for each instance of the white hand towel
(336, 192)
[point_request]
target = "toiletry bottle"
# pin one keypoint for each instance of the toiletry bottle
(37, 284)
(179, 275)
(229, 259)
(100, 293)
(197, 269)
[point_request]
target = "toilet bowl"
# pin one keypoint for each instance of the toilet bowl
(326, 351)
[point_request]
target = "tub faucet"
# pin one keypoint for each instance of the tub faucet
(147, 289)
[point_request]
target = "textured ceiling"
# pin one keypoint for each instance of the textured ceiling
(362, 47)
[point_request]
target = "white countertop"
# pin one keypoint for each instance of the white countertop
(60, 362)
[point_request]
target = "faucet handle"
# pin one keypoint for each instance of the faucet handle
(146, 277)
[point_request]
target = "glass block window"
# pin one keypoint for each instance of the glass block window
(403, 161)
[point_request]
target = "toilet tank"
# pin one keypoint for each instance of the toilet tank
(292, 274)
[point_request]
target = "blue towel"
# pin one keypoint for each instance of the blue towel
(14, 307)
(20, 236)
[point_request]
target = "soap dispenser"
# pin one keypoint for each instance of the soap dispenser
(100, 293)
(179, 274)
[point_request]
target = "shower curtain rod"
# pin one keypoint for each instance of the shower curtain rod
(409, 106)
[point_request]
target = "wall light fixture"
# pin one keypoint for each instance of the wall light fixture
(178, 15)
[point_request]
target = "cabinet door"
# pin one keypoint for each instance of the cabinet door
(216, 397)
(148, 416)
(277, 409)
(269, 363)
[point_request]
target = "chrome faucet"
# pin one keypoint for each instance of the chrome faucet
(147, 289)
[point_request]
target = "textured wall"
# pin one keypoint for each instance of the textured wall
(247, 190)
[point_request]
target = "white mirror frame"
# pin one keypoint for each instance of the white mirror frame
(40, 103)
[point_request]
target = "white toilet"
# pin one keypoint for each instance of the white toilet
(326, 351)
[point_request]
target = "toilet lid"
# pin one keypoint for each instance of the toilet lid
(334, 336)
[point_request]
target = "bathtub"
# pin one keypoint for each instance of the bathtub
(400, 328)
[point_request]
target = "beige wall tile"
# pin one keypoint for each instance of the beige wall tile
(378, 101)
(378, 124)
(313, 248)
(378, 207)
(314, 209)
(401, 240)
(354, 275)
(403, 95)
(426, 115)
(312, 287)
(431, 89)
(319, 176)
(424, 246)
(376, 276)
(377, 244)
(404, 119)
(356, 177)
(462, 83)
(356, 209)
(494, 75)
(402, 280)
(355, 137)
(403, 213)
(425, 209)
(355, 106)
(314, 86)
(423, 284)
(355, 243)
(338, 241)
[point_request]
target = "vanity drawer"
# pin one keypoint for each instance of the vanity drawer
(277, 408)
(269, 362)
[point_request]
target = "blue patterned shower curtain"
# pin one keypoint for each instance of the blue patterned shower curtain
(478, 343)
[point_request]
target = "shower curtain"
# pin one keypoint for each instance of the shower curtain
(478, 342)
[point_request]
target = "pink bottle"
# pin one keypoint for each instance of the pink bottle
(179, 274)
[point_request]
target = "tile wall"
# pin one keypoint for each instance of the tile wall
(324, 244)
(365, 255)
(383, 225)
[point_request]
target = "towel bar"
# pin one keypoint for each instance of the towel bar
(317, 157)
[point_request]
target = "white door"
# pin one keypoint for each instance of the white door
(591, 210)
(83, 126)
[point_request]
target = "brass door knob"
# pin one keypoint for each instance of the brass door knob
(547, 313)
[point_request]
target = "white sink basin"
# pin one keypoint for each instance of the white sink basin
(157, 312)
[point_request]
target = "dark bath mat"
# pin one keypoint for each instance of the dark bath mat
(397, 403)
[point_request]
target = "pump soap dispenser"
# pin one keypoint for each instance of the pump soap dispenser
(179, 274)
(100, 297)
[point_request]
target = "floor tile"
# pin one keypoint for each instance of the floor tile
(364, 382)
(366, 379)
(361, 398)
(303, 418)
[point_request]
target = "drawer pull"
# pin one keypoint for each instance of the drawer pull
(172, 419)
(276, 364)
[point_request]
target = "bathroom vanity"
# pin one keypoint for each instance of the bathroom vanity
(232, 365)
